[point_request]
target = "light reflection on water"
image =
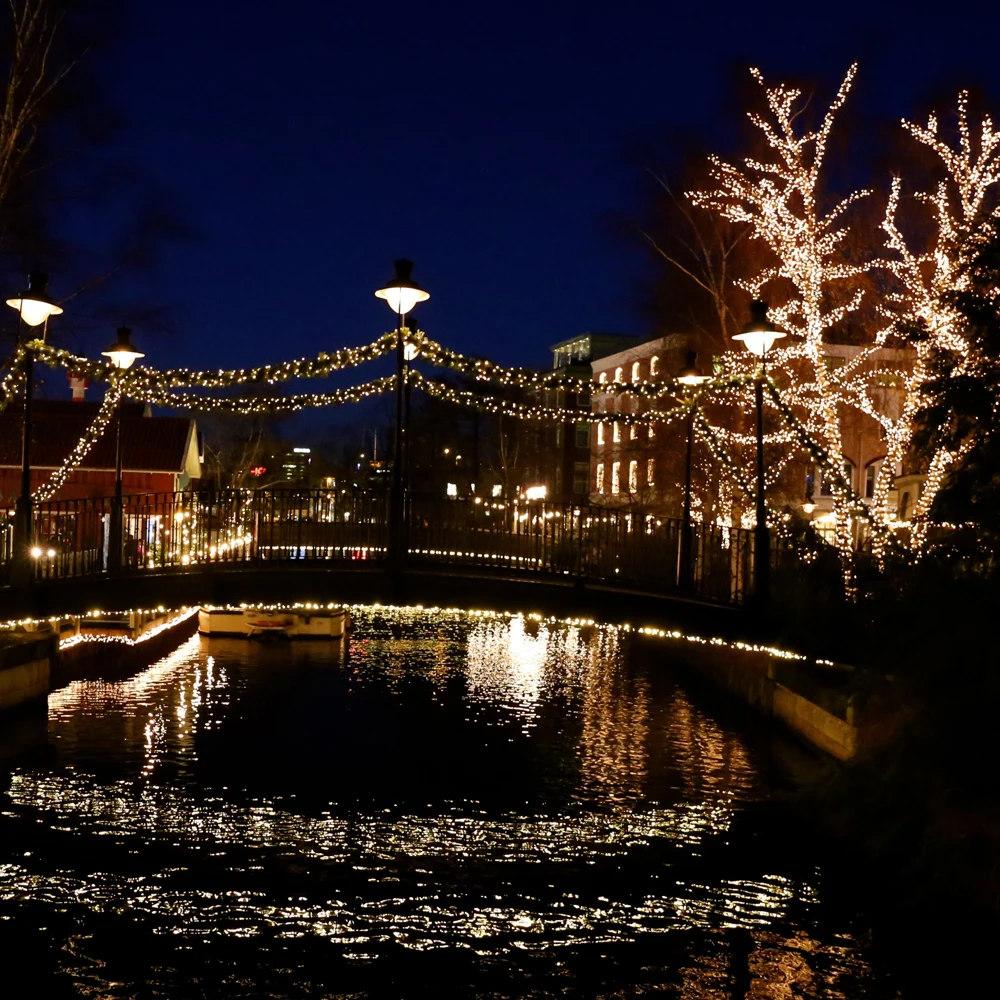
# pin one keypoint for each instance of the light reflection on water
(495, 788)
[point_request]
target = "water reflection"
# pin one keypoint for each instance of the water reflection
(456, 785)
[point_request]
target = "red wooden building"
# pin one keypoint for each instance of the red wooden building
(159, 454)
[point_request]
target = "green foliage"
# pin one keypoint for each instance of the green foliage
(961, 407)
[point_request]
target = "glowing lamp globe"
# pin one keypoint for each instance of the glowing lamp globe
(121, 352)
(33, 304)
(410, 351)
(760, 333)
(690, 375)
(402, 293)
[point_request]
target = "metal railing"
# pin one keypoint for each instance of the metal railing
(189, 531)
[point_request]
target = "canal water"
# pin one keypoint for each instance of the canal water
(448, 805)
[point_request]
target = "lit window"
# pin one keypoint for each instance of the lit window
(618, 374)
(600, 433)
(616, 433)
(635, 372)
(633, 432)
(633, 476)
(615, 477)
(650, 471)
(600, 477)
(452, 490)
(498, 490)
(603, 378)
(652, 432)
(654, 366)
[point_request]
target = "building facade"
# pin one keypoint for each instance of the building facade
(642, 465)
(159, 454)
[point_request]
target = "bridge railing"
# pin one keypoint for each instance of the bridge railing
(188, 530)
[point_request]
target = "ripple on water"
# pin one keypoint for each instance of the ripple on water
(498, 797)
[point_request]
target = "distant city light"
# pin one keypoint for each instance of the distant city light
(302, 451)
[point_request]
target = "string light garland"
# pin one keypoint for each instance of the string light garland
(263, 404)
(141, 378)
(82, 448)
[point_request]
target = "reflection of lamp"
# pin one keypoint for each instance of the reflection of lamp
(758, 336)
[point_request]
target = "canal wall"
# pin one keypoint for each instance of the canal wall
(25, 668)
(33, 664)
(819, 704)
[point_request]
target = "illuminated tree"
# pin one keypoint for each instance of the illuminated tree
(818, 281)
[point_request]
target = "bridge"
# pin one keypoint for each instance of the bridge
(279, 545)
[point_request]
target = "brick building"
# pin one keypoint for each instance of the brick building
(642, 465)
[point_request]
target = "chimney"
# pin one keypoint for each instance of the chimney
(78, 385)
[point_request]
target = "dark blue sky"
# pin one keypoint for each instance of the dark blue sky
(311, 143)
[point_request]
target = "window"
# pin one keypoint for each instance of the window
(904, 506)
(635, 372)
(654, 366)
(559, 436)
(618, 374)
(616, 433)
(616, 469)
(600, 433)
(583, 435)
(603, 378)
(633, 432)
(870, 473)
(581, 470)
(826, 480)
(650, 471)
(652, 432)
(600, 477)
(633, 476)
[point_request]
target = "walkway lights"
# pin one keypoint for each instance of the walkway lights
(758, 337)
(34, 307)
(692, 377)
(401, 294)
(122, 355)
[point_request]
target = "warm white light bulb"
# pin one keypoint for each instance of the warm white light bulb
(34, 312)
(759, 342)
(402, 300)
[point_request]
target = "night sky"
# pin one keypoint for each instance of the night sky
(309, 144)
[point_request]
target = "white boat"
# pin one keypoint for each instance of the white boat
(290, 623)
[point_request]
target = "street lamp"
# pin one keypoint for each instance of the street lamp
(758, 337)
(122, 355)
(401, 294)
(691, 376)
(34, 307)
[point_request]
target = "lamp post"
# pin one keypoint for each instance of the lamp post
(401, 294)
(34, 307)
(689, 376)
(758, 337)
(121, 354)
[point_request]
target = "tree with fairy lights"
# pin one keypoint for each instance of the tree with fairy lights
(819, 282)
